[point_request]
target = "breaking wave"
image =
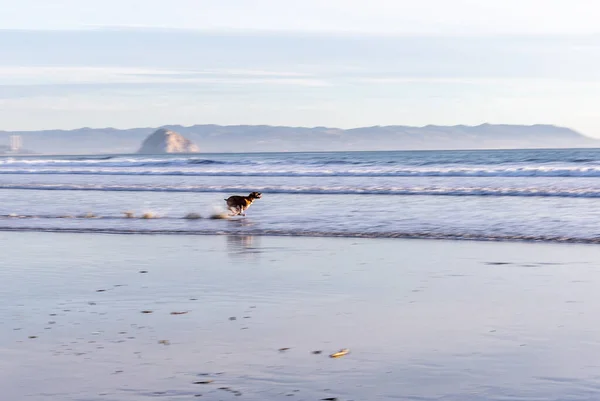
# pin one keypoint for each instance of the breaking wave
(325, 190)
(107, 161)
(572, 172)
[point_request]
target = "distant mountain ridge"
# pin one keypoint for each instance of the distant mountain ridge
(266, 138)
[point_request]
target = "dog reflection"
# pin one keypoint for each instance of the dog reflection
(243, 245)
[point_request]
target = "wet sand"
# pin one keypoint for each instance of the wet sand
(424, 320)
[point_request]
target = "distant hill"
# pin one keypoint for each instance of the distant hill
(264, 138)
(167, 141)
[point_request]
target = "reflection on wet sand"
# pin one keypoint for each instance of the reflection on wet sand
(243, 245)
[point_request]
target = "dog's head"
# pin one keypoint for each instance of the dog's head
(255, 195)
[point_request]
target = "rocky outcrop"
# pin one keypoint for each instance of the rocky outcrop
(167, 141)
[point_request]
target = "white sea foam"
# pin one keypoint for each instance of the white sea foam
(325, 190)
(137, 170)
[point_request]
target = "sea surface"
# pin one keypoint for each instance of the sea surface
(539, 195)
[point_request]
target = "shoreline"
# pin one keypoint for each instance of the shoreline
(520, 239)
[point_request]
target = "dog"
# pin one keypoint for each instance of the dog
(238, 204)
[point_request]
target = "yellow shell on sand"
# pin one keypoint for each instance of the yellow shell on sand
(340, 353)
(149, 215)
(129, 215)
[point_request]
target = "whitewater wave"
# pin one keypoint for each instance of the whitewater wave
(119, 161)
(401, 164)
(107, 161)
(324, 190)
(483, 172)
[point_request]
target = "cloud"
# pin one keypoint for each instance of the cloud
(28, 75)
(149, 77)
(362, 16)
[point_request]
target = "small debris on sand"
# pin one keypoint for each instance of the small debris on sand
(164, 342)
(317, 352)
(129, 215)
(229, 390)
(233, 318)
(32, 337)
(100, 290)
(143, 271)
(149, 215)
(146, 311)
(204, 382)
(329, 399)
(284, 349)
(340, 353)
(193, 216)
(179, 313)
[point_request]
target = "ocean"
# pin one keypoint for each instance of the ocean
(531, 195)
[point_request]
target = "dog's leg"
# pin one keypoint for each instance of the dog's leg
(241, 213)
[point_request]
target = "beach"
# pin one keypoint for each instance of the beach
(132, 317)
(310, 201)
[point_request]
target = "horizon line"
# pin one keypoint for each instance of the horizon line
(296, 32)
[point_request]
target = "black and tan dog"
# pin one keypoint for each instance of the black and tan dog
(238, 204)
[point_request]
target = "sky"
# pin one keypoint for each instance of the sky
(342, 63)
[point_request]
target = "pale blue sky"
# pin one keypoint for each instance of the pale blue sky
(345, 63)
(383, 16)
